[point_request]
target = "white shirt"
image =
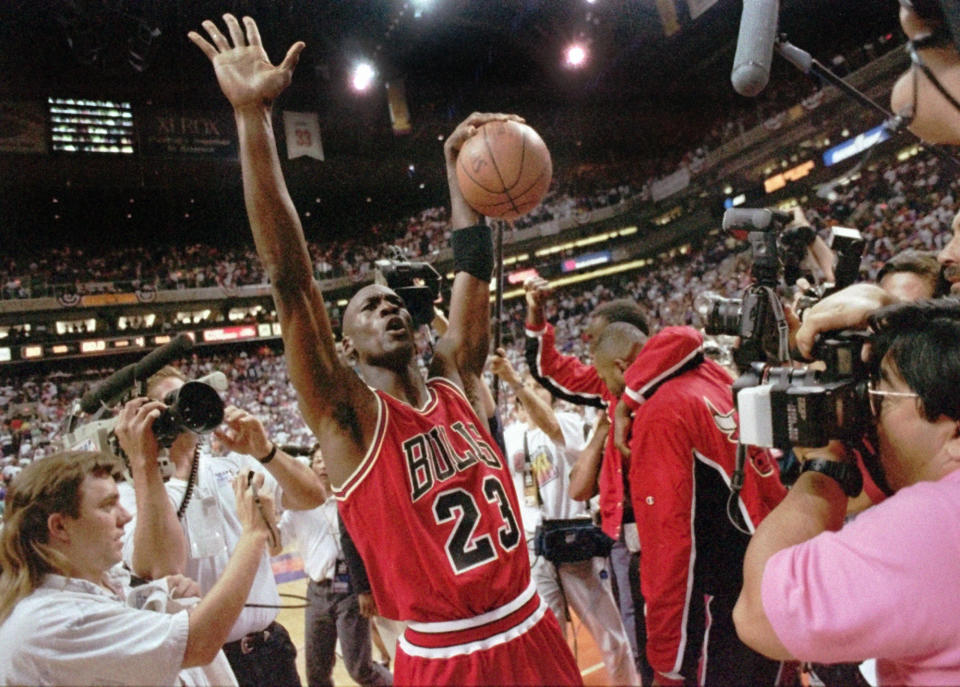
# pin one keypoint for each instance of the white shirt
(73, 632)
(211, 528)
(316, 535)
(552, 467)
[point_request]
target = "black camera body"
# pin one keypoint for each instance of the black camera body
(417, 283)
(759, 314)
(783, 406)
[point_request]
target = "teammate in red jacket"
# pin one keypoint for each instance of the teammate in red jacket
(682, 454)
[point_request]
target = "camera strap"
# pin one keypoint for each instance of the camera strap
(783, 329)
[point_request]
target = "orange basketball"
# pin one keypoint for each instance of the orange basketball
(504, 169)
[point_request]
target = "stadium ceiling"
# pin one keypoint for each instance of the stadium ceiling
(451, 50)
(457, 56)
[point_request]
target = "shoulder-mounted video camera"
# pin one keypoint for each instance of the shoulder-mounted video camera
(759, 314)
(417, 283)
(785, 406)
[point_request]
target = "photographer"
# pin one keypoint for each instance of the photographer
(682, 453)
(192, 514)
(67, 614)
(887, 585)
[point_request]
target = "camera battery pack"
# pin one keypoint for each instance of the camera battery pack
(754, 409)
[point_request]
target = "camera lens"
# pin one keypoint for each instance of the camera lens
(194, 407)
(719, 315)
(199, 407)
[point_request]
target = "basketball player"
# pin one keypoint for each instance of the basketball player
(421, 486)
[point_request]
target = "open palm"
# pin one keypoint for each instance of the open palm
(243, 69)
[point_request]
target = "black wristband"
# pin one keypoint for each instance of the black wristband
(267, 458)
(847, 475)
(473, 251)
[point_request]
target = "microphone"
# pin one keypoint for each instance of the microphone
(159, 357)
(758, 32)
(120, 381)
(754, 219)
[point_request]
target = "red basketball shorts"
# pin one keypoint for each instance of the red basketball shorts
(519, 643)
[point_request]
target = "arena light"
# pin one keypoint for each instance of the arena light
(419, 6)
(362, 76)
(575, 56)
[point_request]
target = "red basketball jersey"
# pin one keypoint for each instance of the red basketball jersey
(433, 512)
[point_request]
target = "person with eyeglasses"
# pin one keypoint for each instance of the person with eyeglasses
(887, 584)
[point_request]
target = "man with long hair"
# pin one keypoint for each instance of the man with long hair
(65, 613)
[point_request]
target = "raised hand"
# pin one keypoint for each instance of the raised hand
(501, 366)
(461, 214)
(244, 433)
(244, 72)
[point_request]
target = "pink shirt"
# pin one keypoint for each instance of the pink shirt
(886, 586)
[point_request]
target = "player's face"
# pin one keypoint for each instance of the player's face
(594, 326)
(949, 257)
(609, 372)
(95, 538)
(378, 328)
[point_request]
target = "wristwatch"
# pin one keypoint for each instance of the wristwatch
(847, 475)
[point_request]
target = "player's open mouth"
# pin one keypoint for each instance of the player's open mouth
(396, 324)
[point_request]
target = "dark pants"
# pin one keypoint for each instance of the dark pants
(727, 660)
(644, 668)
(264, 659)
(330, 615)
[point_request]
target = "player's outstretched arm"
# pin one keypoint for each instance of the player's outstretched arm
(335, 404)
(462, 352)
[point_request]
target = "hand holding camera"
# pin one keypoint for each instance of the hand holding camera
(846, 309)
(244, 433)
(134, 431)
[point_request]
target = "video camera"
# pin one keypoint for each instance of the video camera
(786, 406)
(777, 249)
(417, 283)
(194, 407)
(781, 405)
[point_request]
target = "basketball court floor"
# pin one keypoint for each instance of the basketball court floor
(288, 569)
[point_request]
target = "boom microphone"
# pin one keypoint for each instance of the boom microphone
(120, 381)
(758, 32)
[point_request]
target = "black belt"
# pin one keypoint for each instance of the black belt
(252, 641)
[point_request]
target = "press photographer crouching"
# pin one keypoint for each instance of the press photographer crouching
(887, 585)
(67, 612)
